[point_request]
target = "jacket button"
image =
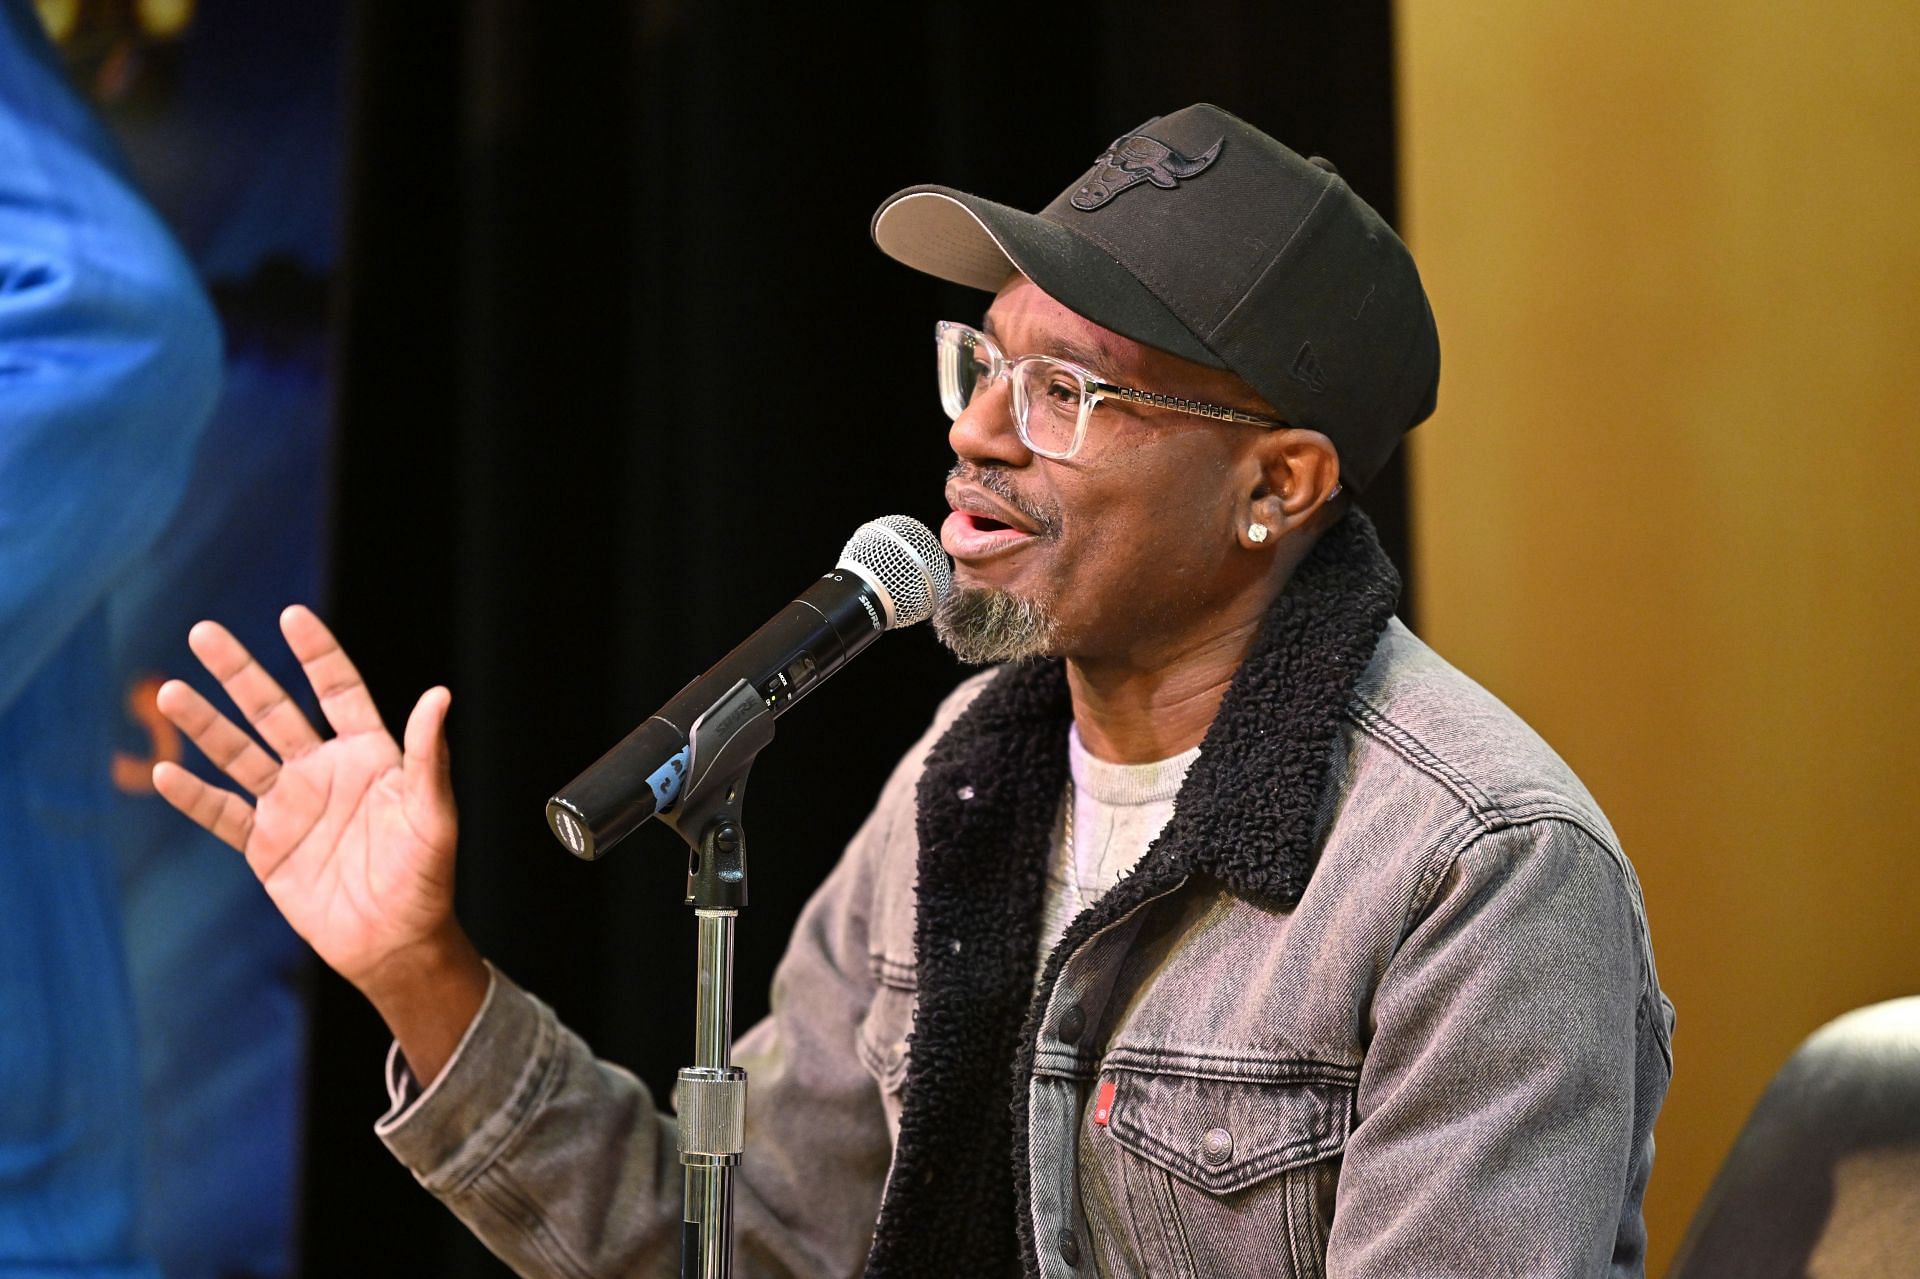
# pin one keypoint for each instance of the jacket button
(1073, 1023)
(1069, 1248)
(1217, 1146)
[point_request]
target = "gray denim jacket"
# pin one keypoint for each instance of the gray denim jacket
(1444, 1057)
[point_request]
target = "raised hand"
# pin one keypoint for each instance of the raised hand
(352, 837)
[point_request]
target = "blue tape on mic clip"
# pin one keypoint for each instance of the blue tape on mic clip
(666, 780)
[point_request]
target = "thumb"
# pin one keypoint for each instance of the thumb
(427, 768)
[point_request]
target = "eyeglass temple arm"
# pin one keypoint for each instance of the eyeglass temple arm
(1218, 411)
(1199, 408)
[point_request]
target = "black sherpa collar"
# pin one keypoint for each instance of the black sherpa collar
(957, 1197)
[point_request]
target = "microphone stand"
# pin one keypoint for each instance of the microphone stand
(722, 745)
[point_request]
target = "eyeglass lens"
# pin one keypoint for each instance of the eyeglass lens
(1048, 396)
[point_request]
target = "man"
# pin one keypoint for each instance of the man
(1373, 996)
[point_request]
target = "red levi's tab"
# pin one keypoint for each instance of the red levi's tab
(1103, 1103)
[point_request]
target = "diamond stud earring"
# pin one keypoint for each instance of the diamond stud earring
(1258, 532)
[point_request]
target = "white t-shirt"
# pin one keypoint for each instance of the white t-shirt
(1118, 810)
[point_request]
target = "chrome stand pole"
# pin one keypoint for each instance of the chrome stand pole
(712, 1103)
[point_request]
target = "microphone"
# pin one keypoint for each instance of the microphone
(891, 573)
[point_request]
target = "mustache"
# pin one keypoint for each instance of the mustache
(1000, 484)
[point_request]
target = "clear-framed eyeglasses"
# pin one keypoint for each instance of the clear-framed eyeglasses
(1052, 398)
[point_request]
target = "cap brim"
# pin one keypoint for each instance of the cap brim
(967, 240)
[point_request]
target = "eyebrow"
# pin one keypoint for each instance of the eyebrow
(1094, 357)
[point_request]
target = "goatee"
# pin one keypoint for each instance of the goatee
(983, 626)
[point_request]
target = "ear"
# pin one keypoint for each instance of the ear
(1298, 471)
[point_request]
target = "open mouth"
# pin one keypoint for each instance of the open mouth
(985, 524)
(971, 535)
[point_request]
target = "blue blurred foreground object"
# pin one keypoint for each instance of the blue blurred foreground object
(109, 368)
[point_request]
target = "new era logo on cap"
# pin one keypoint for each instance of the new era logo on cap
(1306, 369)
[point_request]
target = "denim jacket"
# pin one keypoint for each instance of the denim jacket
(1379, 1001)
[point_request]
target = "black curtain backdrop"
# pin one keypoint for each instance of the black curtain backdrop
(621, 370)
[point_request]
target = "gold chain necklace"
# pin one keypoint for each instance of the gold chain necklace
(1073, 858)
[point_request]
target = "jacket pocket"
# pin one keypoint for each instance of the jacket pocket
(1228, 1177)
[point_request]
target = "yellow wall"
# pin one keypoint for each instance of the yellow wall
(1669, 508)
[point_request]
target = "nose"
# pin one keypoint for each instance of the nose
(984, 431)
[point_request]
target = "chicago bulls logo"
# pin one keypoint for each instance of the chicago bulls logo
(1133, 159)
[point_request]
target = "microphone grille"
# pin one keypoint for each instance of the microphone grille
(903, 558)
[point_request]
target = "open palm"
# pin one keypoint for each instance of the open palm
(352, 837)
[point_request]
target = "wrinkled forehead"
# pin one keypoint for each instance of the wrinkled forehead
(1023, 319)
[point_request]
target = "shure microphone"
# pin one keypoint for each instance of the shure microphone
(891, 573)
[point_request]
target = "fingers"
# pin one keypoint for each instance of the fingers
(343, 693)
(230, 748)
(257, 694)
(229, 817)
(427, 768)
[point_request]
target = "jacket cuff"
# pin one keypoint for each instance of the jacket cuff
(450, 1132)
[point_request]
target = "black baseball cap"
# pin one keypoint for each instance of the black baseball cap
(1200, 235)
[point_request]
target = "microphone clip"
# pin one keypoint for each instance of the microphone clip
(721, 747)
